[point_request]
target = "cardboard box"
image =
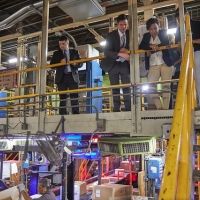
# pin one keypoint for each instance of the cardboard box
(111, 191)
(139, 198)
(11, 170)
(119, 172)
(105, 180)
(121, 198)
(136, 191)
(10, 194)
(8, 81)
(76, 192)
(80, 187)
(125, 165)
(91, 186)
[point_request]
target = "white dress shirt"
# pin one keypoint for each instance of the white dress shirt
(156, 58)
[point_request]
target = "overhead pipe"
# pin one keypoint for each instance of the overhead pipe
(18, 13)
(3, 27)
(68, 34)
(60, 17)
(21, 14)
(39, 13)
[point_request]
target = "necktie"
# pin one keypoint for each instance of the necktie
(122, 41)
(67, 67)
(122, 46)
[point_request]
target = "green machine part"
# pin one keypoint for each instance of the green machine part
(127, 145)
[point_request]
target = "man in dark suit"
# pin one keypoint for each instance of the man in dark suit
(67, 76)
(117, 63)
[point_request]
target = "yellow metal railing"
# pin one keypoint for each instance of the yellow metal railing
(177, 180)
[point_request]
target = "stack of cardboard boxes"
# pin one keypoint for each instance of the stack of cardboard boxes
(112, 192)
(105, 191)
(103, 181)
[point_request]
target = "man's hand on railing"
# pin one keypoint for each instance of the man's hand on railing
(154, 47)
(123, 50)
(63, 60)
(148, 53)
(124, 55)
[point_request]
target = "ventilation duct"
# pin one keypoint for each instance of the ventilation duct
(77, 9)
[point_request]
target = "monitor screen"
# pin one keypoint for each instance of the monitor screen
(83, 67)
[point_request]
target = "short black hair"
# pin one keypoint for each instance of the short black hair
(63, 38)
(177, 12)
(45, 182)
(150, 22)
(121, 18)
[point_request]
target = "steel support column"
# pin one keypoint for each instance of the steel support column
(99, 171)
(19, 91)
(1, 163)
(37, 76)
(134, 66)
(181, 21)
(148, 13)
(0, 55)
(42, 71)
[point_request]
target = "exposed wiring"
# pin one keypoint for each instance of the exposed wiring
(20, 122)
(14, 126)
(90, 142)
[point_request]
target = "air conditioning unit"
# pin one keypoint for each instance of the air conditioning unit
(81, 9)
(127, 145)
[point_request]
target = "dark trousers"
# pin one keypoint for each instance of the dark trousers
(68, 83)
(120, 70)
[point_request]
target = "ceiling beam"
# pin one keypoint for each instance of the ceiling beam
(10, 37)
(92, 20)
(6, 54)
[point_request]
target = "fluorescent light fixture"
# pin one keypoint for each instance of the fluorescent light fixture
(171, 31)
(145, 88)
(103, 43)
(12, 60)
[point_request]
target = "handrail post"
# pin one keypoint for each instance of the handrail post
(42, 72)
(134, 68)
(182, 25)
